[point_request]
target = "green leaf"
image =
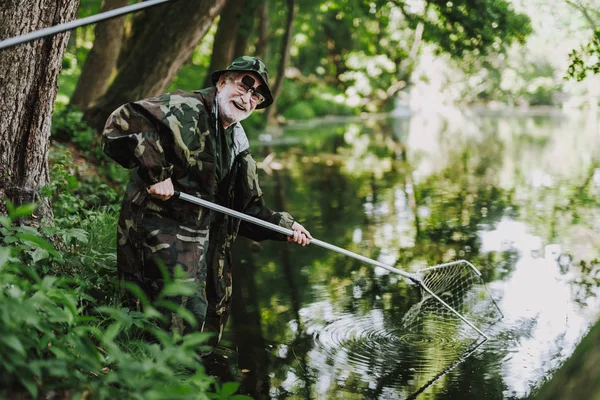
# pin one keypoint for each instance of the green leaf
(195, 339)
(5, 221)
(30, 237)
(137, 292)
(151, 312)
(4, 254)
(229, 388)
(178, 289)
(31, 387)
(14, 343)
(58, 352)
(75, 233)
(39, 254)
(112, 332)
(22, 211)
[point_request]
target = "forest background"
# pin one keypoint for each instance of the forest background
(327, 59)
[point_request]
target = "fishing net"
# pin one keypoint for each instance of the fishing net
(454, 298)
(454, 313)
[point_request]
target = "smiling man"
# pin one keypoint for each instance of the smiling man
(192, 142)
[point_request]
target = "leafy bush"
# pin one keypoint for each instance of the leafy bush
(299, 111)
(301, 101)
(57, 340)
(70, 131)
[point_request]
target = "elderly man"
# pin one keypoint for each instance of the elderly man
(192, 142)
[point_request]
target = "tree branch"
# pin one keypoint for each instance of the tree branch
(584, 11)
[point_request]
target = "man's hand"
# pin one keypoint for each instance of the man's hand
(301, 235)
(162, 190)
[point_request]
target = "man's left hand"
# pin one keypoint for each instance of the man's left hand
(301, 235)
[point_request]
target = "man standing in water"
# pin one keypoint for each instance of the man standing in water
(192, 142)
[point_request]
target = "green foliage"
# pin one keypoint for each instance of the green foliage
(300, 101)
(70, 134)
(586, 59)
(57, 339)
(75, 195)
(474, 26)
(301, 110)
(68, 126)
(367, 51)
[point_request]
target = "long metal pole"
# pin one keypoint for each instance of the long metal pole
(67, 26)
(320, 243)
(289, 232)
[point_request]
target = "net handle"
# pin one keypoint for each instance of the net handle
(288, 232)
(67, 26)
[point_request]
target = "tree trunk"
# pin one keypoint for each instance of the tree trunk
(167, 38)
(102, 58)
(28, 87)
(283, 61)
(246, 28)
(225, 38)
(262, 45)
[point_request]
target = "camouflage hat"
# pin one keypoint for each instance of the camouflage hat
(250, 64)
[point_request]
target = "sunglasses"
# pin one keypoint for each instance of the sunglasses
(245, 85)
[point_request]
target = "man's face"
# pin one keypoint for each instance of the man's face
(236, 96)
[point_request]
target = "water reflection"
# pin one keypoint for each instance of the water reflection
(518, 197)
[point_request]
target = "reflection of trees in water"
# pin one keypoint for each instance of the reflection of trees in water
(446, 210)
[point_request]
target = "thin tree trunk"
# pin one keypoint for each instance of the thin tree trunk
(102, 58)
(225, 38)
(167, 37)
(262, 45)
(28, 87)
(246, 28)
(283, 61)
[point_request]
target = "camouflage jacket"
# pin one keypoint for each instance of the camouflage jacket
(178, 136)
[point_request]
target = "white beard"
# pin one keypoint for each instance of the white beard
(228, 112)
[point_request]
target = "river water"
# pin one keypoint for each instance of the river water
(516, 195)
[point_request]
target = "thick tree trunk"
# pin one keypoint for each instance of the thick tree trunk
(284, 58)
(225, 38)
(102, 58)
(262, 44)
(28, 87)
(166, 37)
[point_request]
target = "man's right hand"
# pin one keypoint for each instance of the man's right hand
(162, 190)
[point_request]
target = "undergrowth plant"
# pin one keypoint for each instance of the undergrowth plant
(63, 334)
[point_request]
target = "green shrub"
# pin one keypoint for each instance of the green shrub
(70, 131)
(299, 111)
(53, 343)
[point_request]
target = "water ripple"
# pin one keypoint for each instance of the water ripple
(391, 351)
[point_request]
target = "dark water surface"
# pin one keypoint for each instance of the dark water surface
(517, 196)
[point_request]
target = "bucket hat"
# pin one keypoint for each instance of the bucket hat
(250, 64)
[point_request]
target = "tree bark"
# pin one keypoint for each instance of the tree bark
(262, 45)
(284, 59)
(246, 28)
(102, 58)
(28, 87)
(225, 38)
(167, 37)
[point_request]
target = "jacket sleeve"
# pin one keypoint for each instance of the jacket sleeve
(149, 133)
(131, 138)
(250, 201)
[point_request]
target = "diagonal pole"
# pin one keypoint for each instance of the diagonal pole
(288, 232)
(67, 26)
